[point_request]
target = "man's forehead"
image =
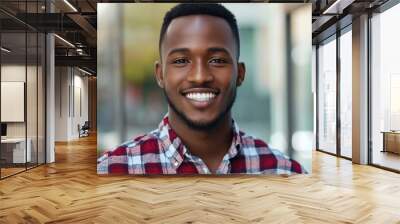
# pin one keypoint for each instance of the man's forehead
(199, 19)
(198, 28)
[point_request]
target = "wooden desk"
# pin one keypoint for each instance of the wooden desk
(391, 141)
(18, 149)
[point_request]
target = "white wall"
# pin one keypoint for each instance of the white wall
(16, 73)
(62, 81)
(71, 87)
(80, 89)
(33, 126)
(12, 73)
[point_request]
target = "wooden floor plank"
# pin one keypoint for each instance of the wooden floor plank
(69, 191)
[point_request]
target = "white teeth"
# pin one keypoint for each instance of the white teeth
(200, 96)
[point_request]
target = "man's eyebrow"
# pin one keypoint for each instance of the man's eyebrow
(211, 49)
(178, 50)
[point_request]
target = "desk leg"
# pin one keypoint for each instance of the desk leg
(384, 143)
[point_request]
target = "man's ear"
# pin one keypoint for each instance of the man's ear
(158, 74)
(241, 73)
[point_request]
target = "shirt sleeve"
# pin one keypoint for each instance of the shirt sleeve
(113, 162)
(296, 167)
(102, 164)
(286, 165)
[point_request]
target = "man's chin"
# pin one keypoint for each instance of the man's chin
(201, 124)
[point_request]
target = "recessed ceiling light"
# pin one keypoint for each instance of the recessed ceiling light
(337, 7)
(84, 71)
(5, 50)
(70, 5)
(64, 40)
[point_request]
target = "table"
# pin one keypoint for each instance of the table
(18, 149)
(391, 141)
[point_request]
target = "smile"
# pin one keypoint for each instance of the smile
(201, 97)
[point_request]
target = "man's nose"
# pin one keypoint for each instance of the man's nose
(200, 73)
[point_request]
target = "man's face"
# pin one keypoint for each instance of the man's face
(199, 71)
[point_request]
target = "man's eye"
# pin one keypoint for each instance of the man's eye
(180, 61)
(218, 61)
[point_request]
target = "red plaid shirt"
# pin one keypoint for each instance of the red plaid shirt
(162, 152)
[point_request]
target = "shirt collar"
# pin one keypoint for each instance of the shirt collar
(175, 150)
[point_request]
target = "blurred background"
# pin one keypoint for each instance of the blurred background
(275, 103)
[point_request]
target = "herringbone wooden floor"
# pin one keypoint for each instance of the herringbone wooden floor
(69, 191)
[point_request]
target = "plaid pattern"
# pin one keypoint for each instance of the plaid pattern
(162, 152)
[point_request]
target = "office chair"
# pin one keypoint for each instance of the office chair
(84, 130)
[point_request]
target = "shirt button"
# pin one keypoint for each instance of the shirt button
(175, 163)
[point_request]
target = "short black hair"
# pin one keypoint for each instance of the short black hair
(212, 9)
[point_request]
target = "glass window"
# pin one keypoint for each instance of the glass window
(327, 96)
(22, 92)
(14, 148)
(31, 99)
(385, 84)
(345, 94)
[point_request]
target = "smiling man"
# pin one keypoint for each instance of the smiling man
(199, 72)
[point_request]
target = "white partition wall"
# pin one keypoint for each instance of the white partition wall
(71, 102)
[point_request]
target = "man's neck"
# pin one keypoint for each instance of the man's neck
(210, 145)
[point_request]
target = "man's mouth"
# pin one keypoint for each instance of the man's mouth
(200, 98)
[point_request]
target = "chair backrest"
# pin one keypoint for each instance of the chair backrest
(86, 125)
